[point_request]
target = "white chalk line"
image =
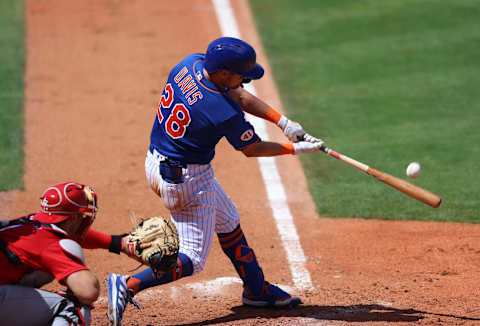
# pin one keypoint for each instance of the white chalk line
(214, 287)
(268, 167)
(217, 288)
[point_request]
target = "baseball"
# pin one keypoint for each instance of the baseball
(413, 170)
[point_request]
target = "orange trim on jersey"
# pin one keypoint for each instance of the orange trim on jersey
(287, 149)
(273, 116)
(198, 80)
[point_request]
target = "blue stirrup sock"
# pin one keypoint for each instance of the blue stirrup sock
(235, 246)
(149, 279)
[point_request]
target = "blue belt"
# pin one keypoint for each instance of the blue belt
(170, 170)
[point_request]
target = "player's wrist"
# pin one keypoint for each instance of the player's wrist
(274, 116)
(116, 244)
(287, 149)
(283, 122)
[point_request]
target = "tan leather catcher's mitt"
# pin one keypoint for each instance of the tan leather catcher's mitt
(162, 235)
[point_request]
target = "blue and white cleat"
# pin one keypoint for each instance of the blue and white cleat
(119, 295)
(272, 296)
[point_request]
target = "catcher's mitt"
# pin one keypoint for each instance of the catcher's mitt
(154, 242)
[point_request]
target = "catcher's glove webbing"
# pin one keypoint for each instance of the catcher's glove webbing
(162, 236)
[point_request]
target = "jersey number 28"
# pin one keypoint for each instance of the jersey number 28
(179, 118)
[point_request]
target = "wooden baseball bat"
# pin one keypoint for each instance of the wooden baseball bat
(406, 187)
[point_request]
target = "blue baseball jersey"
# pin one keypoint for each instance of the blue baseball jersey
(194, 114)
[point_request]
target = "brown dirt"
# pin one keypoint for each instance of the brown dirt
(95, 69)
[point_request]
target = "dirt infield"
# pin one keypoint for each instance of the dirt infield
(94, 73)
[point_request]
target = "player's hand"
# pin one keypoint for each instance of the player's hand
(293, 130)
(311, 139)
(130, 249)
(304, 147)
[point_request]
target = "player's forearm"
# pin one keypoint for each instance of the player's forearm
(266, 148)
(250, 103)
(99, 240)
(292, 130)
(255, 106)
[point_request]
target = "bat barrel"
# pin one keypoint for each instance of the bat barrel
(407, 188)
(401, 185)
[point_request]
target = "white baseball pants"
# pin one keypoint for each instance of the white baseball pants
(199, 207)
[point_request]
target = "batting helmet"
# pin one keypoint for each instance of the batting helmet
(233, 55)
(59, 202)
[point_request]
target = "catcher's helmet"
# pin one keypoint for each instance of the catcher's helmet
(233, 55)
(59, 202)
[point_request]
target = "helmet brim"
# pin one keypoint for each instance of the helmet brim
(43, 217)
(255, 73)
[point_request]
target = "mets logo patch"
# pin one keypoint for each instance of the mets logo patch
(247, 135)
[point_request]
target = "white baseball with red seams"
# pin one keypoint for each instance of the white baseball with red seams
(414, 170)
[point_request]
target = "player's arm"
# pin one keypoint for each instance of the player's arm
(64, 259)
(98, 240)
(267, 148)
(255, 106)
(114, 243)
(252, 104)
(241, 135)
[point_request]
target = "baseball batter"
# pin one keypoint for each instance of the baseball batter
(203, 101)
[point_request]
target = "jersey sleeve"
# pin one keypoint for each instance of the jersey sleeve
(96, 240)
(60, 262)
(239, 132)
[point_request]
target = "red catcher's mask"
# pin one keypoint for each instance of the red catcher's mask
(59, 202)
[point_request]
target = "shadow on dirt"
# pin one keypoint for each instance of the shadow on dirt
(354, 313)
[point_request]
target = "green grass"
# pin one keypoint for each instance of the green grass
(386, 83)
(12, 67)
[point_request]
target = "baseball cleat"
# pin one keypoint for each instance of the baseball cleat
(119, 295)
(272, 296)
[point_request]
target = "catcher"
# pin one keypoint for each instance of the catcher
(47, 245)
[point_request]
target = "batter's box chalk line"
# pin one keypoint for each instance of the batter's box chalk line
(214, 287)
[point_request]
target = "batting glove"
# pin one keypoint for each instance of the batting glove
(311, 139)
(293, 130)
(304, 147)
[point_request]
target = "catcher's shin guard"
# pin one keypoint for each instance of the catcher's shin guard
(235, 246)
(149, 278)
(71, 313)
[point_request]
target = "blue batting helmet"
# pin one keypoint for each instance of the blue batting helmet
(233, 55)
